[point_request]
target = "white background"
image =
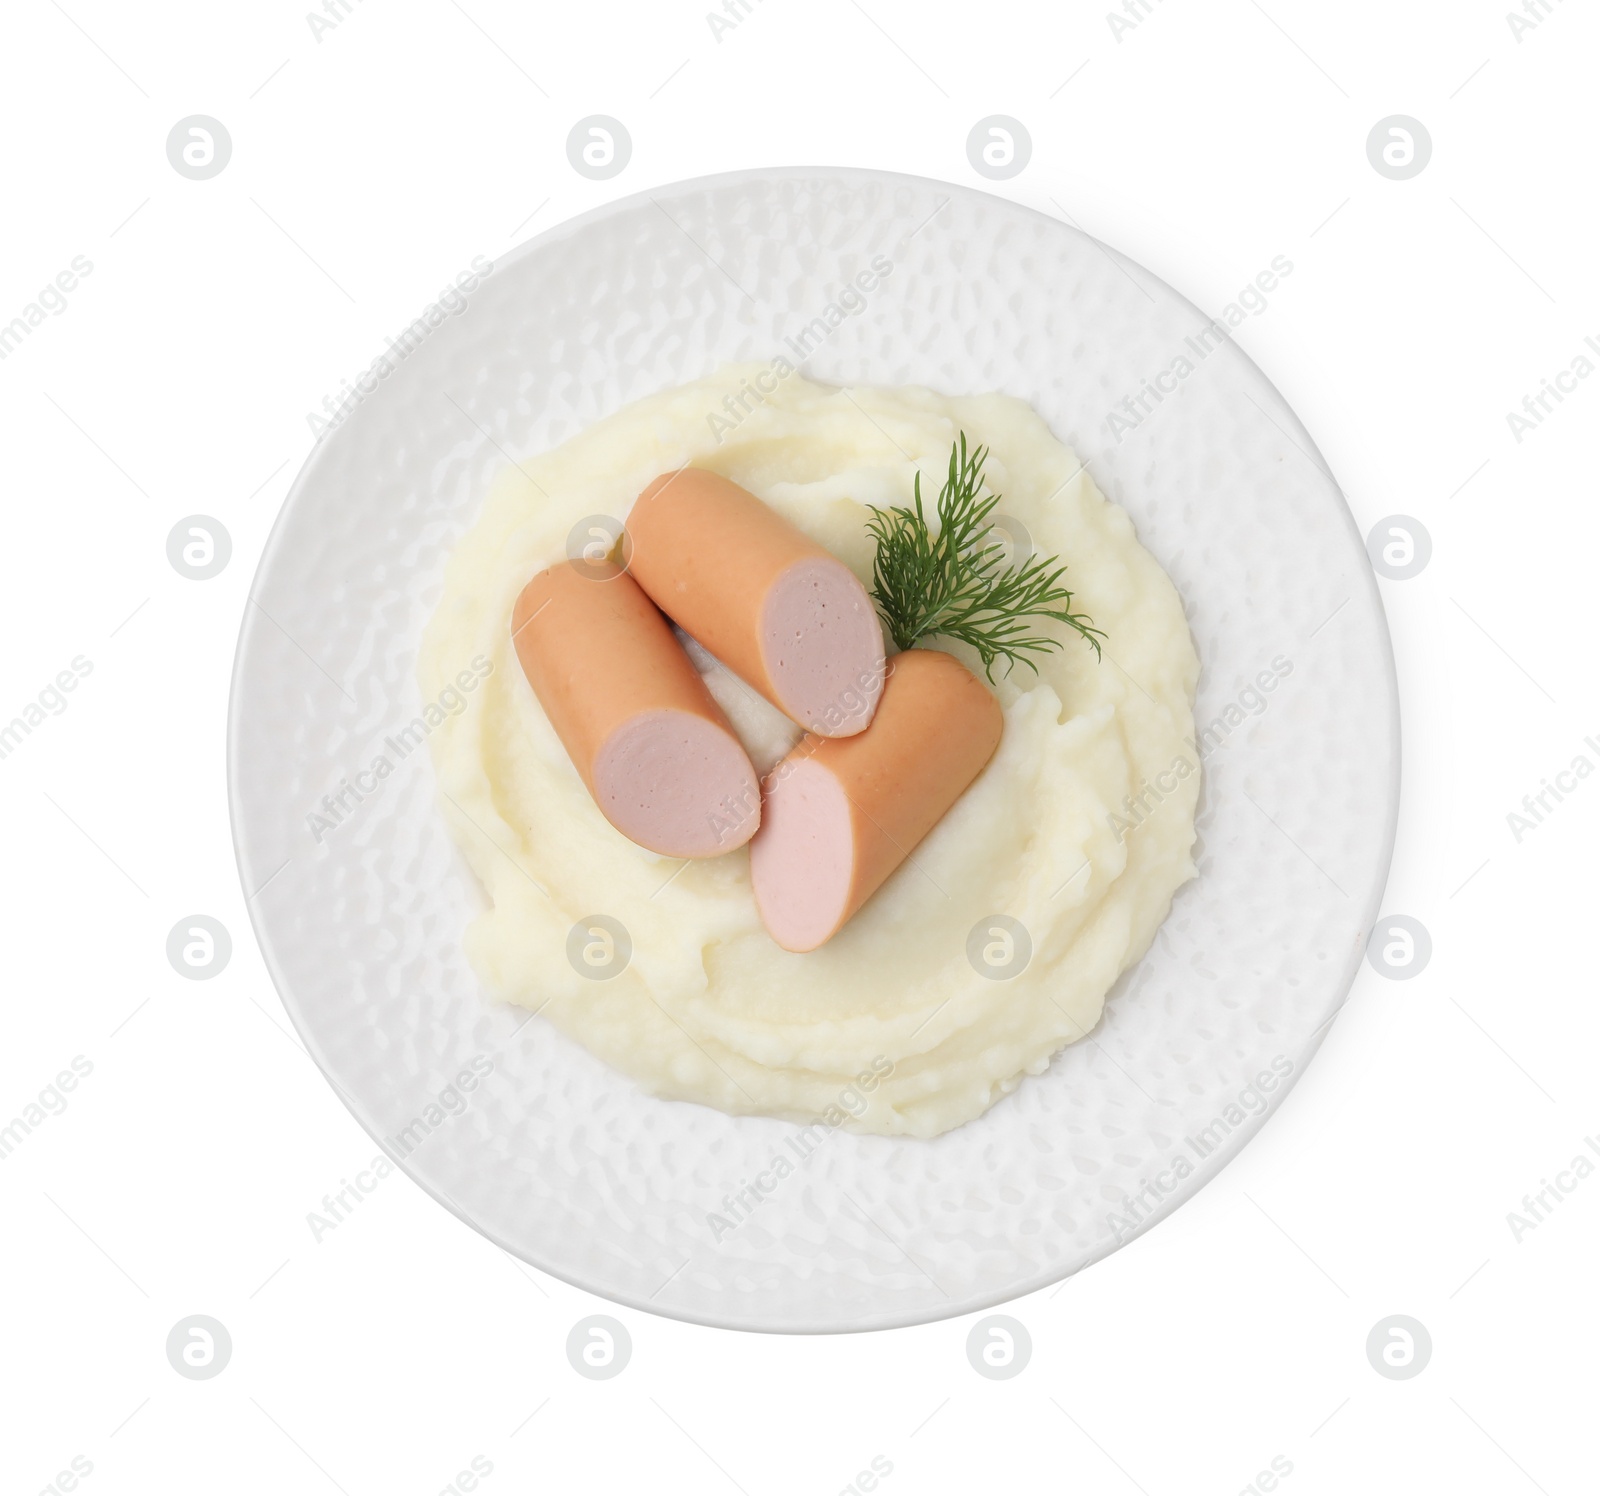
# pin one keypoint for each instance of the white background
(368, 169)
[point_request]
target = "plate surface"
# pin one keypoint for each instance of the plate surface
(547, 1151)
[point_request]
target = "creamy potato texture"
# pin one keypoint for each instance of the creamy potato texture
(891, 1026)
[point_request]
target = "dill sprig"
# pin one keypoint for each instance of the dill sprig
(956, 582)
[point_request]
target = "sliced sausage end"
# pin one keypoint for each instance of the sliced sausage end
(677, 784)
(823, 647)
(803, 866)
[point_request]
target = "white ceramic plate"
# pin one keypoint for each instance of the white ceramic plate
(566, 1163)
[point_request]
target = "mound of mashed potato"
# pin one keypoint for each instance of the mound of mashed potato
(1066, 850)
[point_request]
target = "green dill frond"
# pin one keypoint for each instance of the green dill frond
(957, 583)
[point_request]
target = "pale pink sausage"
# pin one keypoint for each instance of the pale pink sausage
(634, 715)
(775, 607)
(838, 816)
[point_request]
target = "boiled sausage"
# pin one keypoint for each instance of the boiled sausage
(634, 715)
(770, 603)
(839, 815)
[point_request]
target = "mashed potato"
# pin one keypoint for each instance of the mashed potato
(1067, 849)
